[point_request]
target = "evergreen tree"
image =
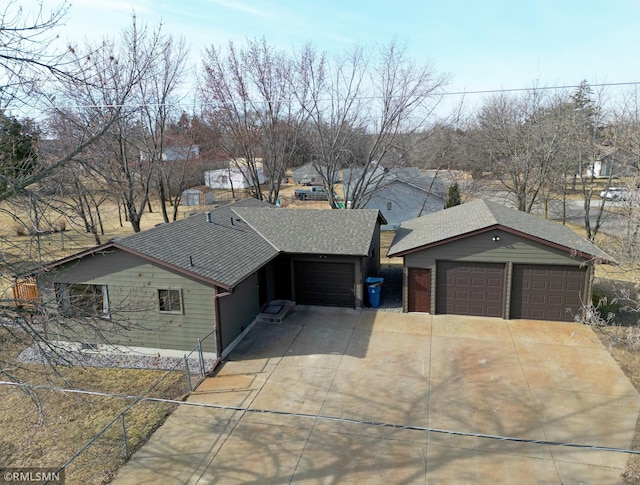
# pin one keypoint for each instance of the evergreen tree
(453, 196)
(18, 157)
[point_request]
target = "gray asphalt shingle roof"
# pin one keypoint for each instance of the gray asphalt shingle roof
(481, 214)
(244, 236)
(308, 231)
(221, 251)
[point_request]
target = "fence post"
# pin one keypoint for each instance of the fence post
(201, 356)
(124, 435)
(187, 374)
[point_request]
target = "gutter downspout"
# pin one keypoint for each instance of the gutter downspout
(217, 299)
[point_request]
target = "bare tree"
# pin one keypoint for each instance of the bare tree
(158, 94)
(115, 71)
(26, 58)
(360, 106)
(520, 138)
(247, 93)
(588, 138)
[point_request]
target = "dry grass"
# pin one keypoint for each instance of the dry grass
(50, 436)
(615, 339)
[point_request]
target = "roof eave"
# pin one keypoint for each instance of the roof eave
(173, 267)
(115, 245)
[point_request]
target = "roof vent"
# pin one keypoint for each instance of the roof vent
(209, 217)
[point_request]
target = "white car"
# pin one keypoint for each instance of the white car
(615, 193)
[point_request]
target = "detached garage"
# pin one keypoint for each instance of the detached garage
(486, 259)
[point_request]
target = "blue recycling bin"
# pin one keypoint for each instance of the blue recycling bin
(374, 289)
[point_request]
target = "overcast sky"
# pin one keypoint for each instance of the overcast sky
(493, 44)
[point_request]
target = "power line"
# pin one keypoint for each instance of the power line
(543, 88)
(328, 418)
(360, 98)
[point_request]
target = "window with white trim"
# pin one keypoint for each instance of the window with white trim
(170, 301)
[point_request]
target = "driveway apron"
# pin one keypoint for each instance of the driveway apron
(345, 396)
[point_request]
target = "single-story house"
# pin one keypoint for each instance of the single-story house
(483, 258)
(235, 176)
(197, 196)
(405, 194)
(610, 162)
(212, 272)
(400, 193)
(308, 174)
(176, 153)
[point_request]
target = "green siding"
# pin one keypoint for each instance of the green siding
(132, 285)
(239, 309)
(482, 248)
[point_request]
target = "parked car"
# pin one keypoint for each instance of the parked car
(315, 192)
(615, 193)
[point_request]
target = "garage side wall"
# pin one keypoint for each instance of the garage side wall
(482, 248)
(239, 309)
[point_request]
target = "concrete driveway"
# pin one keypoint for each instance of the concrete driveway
(526, 379)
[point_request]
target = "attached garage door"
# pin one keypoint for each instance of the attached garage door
(328, 284)
(470, 288)
(547, 292)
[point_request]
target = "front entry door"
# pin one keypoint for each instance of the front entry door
(419, 290)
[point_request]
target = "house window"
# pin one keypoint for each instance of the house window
(389, 205)
(170, 301)
(82, 300)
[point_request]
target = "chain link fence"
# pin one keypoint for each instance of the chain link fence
(130, 429)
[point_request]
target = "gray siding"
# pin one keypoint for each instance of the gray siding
(132, 285)
(482, 249)
(239, 309)
(407, 202)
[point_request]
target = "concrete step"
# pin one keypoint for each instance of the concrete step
(276, 311)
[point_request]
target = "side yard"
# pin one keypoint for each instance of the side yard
(44, 428)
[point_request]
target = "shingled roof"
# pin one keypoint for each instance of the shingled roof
(242, 237)
(466, 219)
(308, 231)
(224, 250)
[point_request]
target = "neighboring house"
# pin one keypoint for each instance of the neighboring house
(236, 176)
(180, 153)
(399, 194)
(197, 196)
(405, 194)
(308, 174)
(357, 180)
(166, 287)
(611, 162)
(176, 153)
(482, 258)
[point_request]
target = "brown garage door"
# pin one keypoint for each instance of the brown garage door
(547, 292)
(328, 284)
(470, 288)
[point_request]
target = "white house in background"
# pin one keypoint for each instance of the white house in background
(236, 176)
(176, 153)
